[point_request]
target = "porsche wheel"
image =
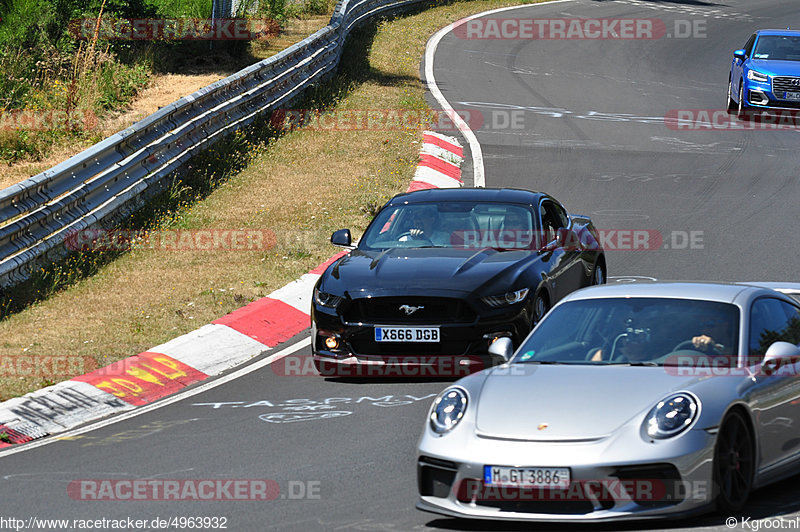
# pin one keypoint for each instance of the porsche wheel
(734, 464)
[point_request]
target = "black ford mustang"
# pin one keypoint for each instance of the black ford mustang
(441, 274)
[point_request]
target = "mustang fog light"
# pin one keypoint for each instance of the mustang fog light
(671, 416)
(331, 342)
(448, 409)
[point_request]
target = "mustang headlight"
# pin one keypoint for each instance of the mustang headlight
(448, 409)
(757, 76)
(671, 416)
(508, 298)
(325, 299)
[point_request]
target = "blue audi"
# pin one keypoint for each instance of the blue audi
(765, 74)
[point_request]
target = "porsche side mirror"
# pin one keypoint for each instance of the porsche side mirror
(502, 347)
(740, 54)
(342, 238)
(780, 351)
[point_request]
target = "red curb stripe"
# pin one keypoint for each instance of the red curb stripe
(419, 185)
(268, 321)
(448, 169)
(15, 436)
(143, 378)
(436, 141)
(321, 268)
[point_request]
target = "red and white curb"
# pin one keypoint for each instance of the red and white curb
(440, 163)
(205, 352)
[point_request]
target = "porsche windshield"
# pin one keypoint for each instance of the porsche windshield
(452, 225)
(636, 331)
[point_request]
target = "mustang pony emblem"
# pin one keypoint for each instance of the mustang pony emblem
(409, 310)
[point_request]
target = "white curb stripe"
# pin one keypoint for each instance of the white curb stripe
(437, 179)
(298, 293)
(212, 348)
(441, 153)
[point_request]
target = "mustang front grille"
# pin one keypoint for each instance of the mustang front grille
(409, 310)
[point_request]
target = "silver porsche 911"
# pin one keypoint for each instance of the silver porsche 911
(627, 401)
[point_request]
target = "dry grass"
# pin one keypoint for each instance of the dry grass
(302, 186)
(163, 89)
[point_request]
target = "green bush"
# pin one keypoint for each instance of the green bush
(43, 65)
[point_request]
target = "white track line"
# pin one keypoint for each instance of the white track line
(478, 175)
(162, 402)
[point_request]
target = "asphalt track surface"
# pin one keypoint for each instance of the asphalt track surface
(594, 136)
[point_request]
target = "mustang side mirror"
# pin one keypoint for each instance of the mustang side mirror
(502, 347)
(342, 238)
(780, 351)
(740, 54)
(566, 237)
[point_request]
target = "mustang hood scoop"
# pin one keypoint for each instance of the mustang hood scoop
(461, 269)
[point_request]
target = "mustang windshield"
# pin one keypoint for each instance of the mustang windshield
(462, 225)
(777, 48)
(636, 331)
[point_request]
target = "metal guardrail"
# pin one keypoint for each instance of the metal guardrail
(105, 183)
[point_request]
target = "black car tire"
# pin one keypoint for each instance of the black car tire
(731, 104)
(734, 464)
(540, 307)
(741, 112)
(599, 273)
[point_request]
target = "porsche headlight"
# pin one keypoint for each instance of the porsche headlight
(754, 75)
(325, 299)
(448, 409)
(671, 416)
(508, 298)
